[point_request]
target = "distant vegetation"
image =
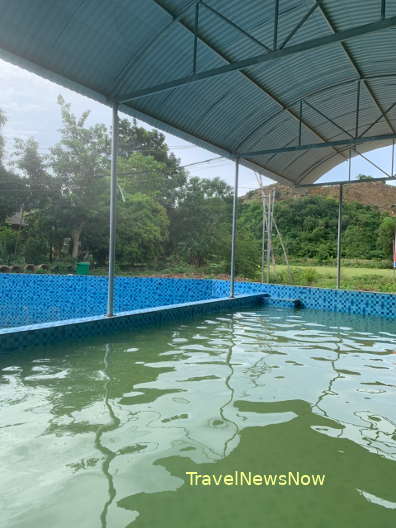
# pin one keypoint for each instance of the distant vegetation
(54, 211)
(309, 228)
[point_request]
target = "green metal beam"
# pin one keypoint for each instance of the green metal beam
(299, 25)
(235, 26)
(344, 182)
(263, 57)
(328, 144)
(250, 78)
(354, 62)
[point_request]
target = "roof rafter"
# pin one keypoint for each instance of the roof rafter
(317, 92)
(309, 146)
(262, 88)
(231, 23)
(327, 184)
(124, 72)
(257, 59)
(299, 25)
(354, 63)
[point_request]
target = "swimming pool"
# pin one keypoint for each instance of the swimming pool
(106, 431)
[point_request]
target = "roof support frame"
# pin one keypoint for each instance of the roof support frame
(300, 121)
(341, 182)
(259, 59)
(383, 8)
(124, 72)
(328, 144)
(76, 86)
(196, 26)
(378, 119)
(357, 108)
(328, 119)
(252, 80)
(299, 25)
(372, 163)
(276, 25)
(234, 25)
(322, 90)
(353, 61)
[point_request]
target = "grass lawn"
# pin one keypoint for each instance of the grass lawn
(352, 278)
(370, 279)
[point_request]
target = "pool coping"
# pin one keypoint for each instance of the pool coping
(69, 329)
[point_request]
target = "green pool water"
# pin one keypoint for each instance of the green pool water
(105, 433)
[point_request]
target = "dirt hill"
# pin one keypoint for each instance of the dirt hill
(378, 194)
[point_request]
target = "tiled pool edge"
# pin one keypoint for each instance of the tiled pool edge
(59, 331)
(344, 301)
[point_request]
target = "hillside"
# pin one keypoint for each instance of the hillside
(377, 194)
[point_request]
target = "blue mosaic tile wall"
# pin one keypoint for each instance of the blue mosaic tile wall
(58, 332)
(28, 299)
(352, 302)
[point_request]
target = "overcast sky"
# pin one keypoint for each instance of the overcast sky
(29, 103)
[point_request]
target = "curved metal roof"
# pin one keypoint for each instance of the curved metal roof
(255, 79)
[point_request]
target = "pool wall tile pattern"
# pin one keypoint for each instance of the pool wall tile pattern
(55, 332)
(72, 306)
(28, 299)
(346, 301)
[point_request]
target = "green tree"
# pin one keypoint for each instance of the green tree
(386, 236)
(200, 225)
(81, 161)
(140, 173)
(361, 224)
(134, 139)
(40, 186)
(8, 243)
(309, 227)
(12, 188)
(12, 193)
(142, 230)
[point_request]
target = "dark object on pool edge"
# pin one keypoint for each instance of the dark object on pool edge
(284, 302)
(42, 267)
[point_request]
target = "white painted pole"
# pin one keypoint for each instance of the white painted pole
(340, 199)
(234, 229)
(113, 212)
(269, 235)
(263, 227)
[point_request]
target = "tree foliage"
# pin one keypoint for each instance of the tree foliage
(163, 214)
(309, 228)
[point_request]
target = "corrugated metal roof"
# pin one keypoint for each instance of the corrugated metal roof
(108, 50)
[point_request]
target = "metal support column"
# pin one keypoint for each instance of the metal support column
(269, 234)
(263, 232)
(113, 210)
(234, 228)
(340, 199)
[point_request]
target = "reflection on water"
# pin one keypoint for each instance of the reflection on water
(102, 434)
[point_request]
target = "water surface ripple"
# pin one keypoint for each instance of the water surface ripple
(101, 434)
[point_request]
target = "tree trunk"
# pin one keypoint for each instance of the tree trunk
(76, 234)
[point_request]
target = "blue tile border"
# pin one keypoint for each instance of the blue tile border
(59, 331)
(57, 307)
(30, 298)
(345, 301)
